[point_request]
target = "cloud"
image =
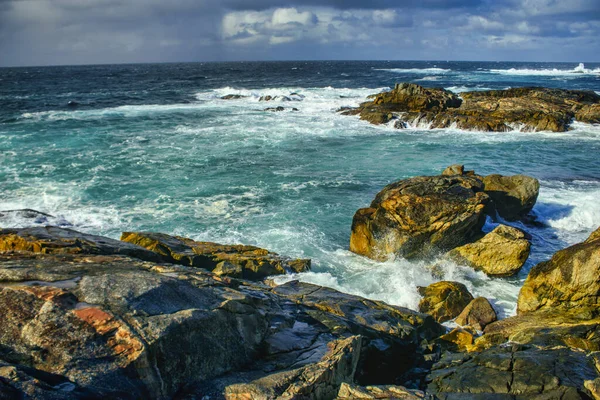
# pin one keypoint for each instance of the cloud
(108, 31)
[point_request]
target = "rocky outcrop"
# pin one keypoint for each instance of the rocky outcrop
(569, 280)
(513, 196)
(119, 327)
(531, 108)
(444, 300)
(502, 252)
(239, 261)
(420, 217)
(54, 240)
(478, 314)
(424, 216)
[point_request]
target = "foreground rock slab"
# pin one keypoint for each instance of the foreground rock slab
(528, 108)
(239, 261)
(114, 326)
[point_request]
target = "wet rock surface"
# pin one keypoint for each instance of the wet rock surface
(528, 108)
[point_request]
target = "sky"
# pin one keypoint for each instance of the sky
(56, 32)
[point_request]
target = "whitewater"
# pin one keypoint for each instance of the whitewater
(157, 148)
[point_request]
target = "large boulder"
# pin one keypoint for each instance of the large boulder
(444, 300)
(502, 252)
(513, 196)
(239, 261)
(569, 280)
(477, 314)
(420, 217)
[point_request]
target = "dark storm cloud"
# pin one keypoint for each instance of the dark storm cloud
(107, 31)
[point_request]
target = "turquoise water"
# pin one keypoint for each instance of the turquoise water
(153, 147)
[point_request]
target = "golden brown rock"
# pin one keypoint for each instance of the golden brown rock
(444, 300)
(568, 280)
(459, 339)
(477, 314)
(502, 252)
(455, 169)
(420, 217)
(240, 261)
(529, 108)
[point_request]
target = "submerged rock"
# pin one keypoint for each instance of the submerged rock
(569, 280)
(502, 252)
(420, 217)
(444, 300)
(530, 108)
(233, 97)
(513, 196)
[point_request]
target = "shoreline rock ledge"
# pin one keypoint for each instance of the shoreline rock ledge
(526, 108)
(428, 216)
(89, 317)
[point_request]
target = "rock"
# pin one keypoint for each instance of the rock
(576, 329)
(593, 387)
(233, 97)
(510, 372)
(502, 252)
(534, 109)
(54, 240)
(369, 318)
(320, 380)
(271, 98)
(455, 169)
(279, 108)
(569, 280)
(248, 262)
(513, 196)
(353, 392)
(478, 313)
(420, 217)
(119, 327)
(444, 300)
(458, 339)
(123, 328)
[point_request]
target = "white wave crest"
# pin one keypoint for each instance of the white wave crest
(578, 71)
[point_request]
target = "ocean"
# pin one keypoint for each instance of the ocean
(112, 148)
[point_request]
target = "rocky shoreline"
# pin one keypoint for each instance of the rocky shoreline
(160, 316)
(528, 109)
